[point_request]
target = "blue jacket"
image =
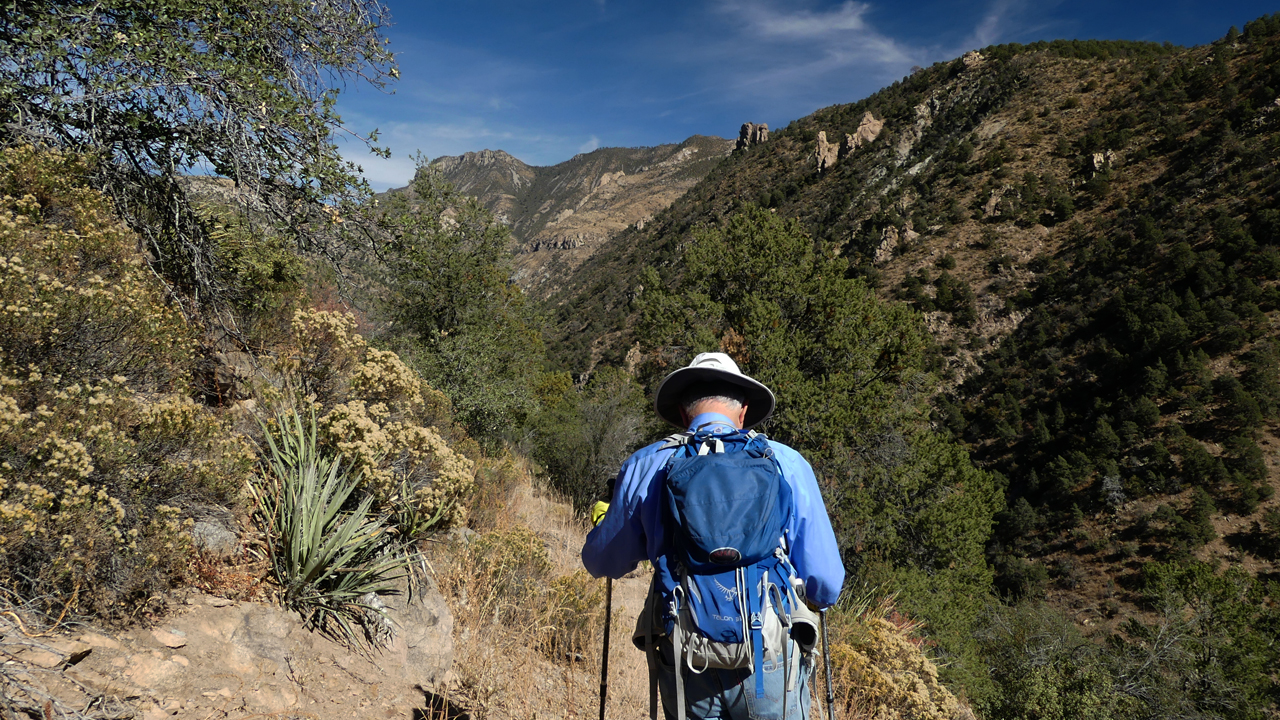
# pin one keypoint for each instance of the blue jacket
(632, 529)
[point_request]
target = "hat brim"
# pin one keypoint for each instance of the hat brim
(666, 401)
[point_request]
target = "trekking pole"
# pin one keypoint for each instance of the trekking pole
(604, 662)
(826, 656)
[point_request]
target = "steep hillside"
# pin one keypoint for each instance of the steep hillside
(560, 215)
(1090, 231)
(955, 140)
(492, 176)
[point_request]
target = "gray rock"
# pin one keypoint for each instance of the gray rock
(213, 537)
(423, 645)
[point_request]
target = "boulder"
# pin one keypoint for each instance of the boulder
(423, 642)
(214, 529)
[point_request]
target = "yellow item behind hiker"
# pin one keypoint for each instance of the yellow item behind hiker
(597, 512)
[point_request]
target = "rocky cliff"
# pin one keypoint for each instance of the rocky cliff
(561, 214)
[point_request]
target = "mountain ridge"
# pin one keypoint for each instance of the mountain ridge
(560, 215)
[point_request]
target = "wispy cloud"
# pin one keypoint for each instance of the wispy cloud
(589, 145)
(800, 24)
(1005, 21)
(771, 57)
(842, 32)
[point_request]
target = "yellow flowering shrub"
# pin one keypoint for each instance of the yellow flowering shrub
(880, 672)
(326, 349)
(384, 378)
(401, 460)
(381, 418)
(75, 297)
(97, 435)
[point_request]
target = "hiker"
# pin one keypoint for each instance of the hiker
(724, 638)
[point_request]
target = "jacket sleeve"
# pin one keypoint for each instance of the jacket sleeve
(617, 545)
(814, 551)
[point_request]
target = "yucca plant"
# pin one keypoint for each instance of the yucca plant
(325, 557)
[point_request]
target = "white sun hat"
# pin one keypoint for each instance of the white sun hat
(712, 367)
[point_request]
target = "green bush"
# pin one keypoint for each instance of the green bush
(1042, 667)
(583, 435)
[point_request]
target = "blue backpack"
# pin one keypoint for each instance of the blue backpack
(727, 594)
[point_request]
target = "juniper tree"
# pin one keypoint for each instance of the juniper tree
(448, 289)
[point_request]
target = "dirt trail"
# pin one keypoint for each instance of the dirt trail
(216, 658)
(628, 674)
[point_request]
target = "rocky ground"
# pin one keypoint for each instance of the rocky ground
(217, 658)
(211, 658)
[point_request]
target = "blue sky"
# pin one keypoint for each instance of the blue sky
(546, 80)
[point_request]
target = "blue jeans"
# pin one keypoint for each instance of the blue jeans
(731, 694)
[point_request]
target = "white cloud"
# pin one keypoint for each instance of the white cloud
(842, 32)
(998, 24)
(385, 173)
(777, 60)
(801, 24)
(589, 145)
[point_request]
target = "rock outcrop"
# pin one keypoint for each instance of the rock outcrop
(827, 153)
(868, 130)
(891, 238)
(1103, 160)
(751, 134)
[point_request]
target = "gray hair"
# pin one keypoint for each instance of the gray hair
(722, 392)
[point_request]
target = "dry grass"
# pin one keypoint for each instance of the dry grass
(528, 621)
(881, 670)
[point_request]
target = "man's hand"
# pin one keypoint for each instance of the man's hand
(597, 512)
